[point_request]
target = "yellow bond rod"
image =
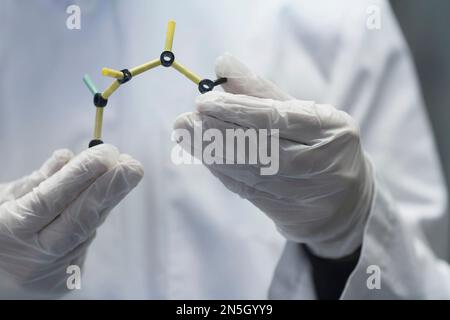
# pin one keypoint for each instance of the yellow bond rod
(110, 90)
(98, 123)
(185, 71)
(169, 35)
(112, 73)
(145, 67)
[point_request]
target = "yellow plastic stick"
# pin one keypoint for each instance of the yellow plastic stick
(110, 90)
(189, 74)
(98, 123)
(112, 73)
(145, 67)
(169, 35)
(119, 75)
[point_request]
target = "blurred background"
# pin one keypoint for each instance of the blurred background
(425, 25)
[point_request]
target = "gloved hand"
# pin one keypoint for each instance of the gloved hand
(48, 219)
(322, 193)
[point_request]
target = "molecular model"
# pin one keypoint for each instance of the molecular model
(167, 59)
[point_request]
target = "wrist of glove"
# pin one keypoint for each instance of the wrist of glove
(48, 219)
(322, 192)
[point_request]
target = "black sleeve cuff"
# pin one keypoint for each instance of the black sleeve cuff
(330, 275)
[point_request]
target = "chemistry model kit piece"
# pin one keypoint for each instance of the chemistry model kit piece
(167, 59)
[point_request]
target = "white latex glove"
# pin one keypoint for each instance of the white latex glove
(322, 193)
(48, 219)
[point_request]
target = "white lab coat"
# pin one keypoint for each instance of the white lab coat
(181, 234)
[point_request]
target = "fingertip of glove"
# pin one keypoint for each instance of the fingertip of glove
(98, 159)
(105, 148)
(132, 164)
(220, 65)
(210, 100)
(63, 155)
(240, 78)
(58, 160)
(126, 175)
(227, 66)
(186, 120)
(206, 97)
(105, 152)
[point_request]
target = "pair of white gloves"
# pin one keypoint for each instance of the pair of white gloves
(321, 195)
